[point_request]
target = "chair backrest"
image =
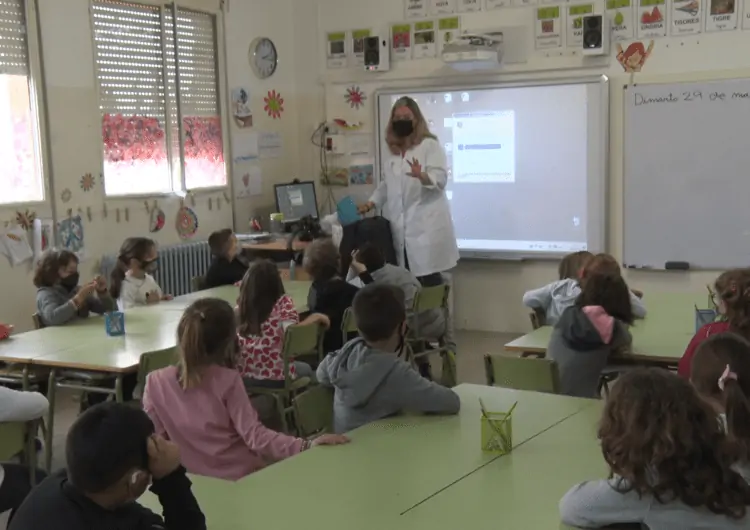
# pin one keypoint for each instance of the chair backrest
(198, 283)
(313, 410)
(38, 324)
(348, 325)
(12, 439)
(154, 361)
(538, 318)
(428, 298)
(522, 373)
(301, 340)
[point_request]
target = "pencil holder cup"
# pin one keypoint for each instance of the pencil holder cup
(497, 432)
(114, 322)
(703, 317)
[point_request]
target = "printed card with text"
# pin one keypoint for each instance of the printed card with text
(336, 56)
(548, 28)
(401, 42)
(468, 6)
(442, 7)
(448, 29)
(746, 15)
(685, 17)
(415, 9)
(496, 4)
(622, 15)
(524, 3)
(651, 15)
(721, 15)
(574, 37)
(424, 39)
(358, 46)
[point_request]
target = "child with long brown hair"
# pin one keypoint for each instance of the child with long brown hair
(132, 283)
(265, 311)
(721, 374)
(733, 300)
(589, 331)
(203, 407)
(670, 465)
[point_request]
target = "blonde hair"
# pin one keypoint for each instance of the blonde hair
(421, 130)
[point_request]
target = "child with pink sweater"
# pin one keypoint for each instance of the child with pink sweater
(203, 407)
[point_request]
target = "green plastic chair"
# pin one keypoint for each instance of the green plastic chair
(298, 341)
(198, 283)
(313, 411)
(151, 362)
(428, 299)
(518, 373)
(17, 437)
(348, 325)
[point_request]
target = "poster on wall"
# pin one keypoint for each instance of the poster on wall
(448, 29)
(468, 6)
(574, 37)
(685, 17)
(495, 4)
(358, 46)
(651, 23)
(415, 9)
(746, 16)
(722, 15)
(622, 14)
(401, 42)
(424, 39)
(442, 7)
(547, 28)
(336, 49)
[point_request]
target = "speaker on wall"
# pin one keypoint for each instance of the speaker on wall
(377, 54)
(596, 33)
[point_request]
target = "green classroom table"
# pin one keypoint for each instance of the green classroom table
(390, 466)
(522, 489)
(660, 338)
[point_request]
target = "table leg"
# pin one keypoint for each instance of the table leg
(50, 421)
(25, 378)
(118, 389)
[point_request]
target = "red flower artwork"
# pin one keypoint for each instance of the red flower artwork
(355, 97)
(274, 104)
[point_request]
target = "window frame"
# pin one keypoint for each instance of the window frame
(174, 120)
(38, 108)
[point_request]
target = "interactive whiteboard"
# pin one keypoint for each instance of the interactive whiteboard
(687, 174)
(527, 163)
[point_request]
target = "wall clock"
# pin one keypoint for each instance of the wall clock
(263, 57)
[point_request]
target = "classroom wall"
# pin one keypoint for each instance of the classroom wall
(488, 294)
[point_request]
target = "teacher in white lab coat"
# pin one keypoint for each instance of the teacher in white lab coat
(412, 196)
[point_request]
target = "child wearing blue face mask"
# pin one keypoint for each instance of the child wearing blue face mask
(132, 283)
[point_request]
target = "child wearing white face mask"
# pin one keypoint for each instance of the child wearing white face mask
(132, 283)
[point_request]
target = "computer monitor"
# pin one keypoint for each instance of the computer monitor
(296, 200)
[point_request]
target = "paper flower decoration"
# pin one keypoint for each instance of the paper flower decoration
(87, 182)
(25, 219)
(274, 104)
(66, 195)
(355, 97)
(187, 223)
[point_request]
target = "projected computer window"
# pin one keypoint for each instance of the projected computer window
(484, 147)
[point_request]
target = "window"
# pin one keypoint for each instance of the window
(21, 175)
(161, 125)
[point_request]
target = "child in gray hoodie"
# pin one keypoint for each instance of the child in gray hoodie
(370, 380)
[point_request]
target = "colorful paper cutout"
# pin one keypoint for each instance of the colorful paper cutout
(274, 104)
(71, 234)
(355, 97)
(361, 174)
(634, 56)
(15, 245)
(25, 219)
(186, 223)
(157, 220)
(87, 182)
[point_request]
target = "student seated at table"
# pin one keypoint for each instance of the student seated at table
(670, 464)
(112, 456)
(721, 374)
(59, 298)
(556, 297)
(228, 266)
(329, 294)
(264, 313)
(733, 302)
(17, 406)
(132, 283)
(202, 405)
(369, 378)
(589, 331)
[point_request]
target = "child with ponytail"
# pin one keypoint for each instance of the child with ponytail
(202, 406)
(132, 283)
(721, 374)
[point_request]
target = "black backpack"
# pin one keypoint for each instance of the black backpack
(374, 230)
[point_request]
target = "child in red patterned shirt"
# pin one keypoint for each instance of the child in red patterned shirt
(265, 311)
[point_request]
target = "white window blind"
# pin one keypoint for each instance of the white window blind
(137, 69)
(14, 56)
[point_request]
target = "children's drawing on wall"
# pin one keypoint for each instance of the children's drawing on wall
(243, 116)
(274, 104)
(14, 244)
(361, 174)
(71, 235)
(337, 176)
(156, 219)
(634, 56)
(355, 97)
(722, 15)
(48, 234)
(25, 219)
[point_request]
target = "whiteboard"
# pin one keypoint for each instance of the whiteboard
(687, 174)
(527, 163)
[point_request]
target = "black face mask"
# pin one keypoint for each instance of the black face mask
(70, 282)
(403, 128)
(150, 266)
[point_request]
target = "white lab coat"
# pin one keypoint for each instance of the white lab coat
(419, 214)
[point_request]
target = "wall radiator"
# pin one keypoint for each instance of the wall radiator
(178, 265)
